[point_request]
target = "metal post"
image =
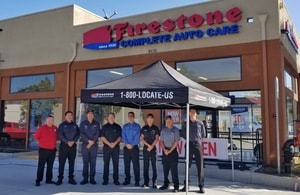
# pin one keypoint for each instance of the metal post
(277, 124)
(231, 150)
(187, 148)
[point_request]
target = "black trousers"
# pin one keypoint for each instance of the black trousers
(132, 155)
(45, 156)
(89, 157)
(149, 157)
(111, 153)
(196, 151)
(66, 152)
(170, 162)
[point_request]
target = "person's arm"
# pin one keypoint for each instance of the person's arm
(176, 141)
(124, 136)
(203, 131)
(174, 146)
(83, 136)
(144, 141)
(61, 135)
(96, 133)
(136, 140)
(183, 129)
(116, 142)
(37, 135)
(119, 138)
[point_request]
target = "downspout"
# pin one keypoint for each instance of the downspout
(75, 46)
(265, 86)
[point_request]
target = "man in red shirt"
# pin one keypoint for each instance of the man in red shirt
(46, 137)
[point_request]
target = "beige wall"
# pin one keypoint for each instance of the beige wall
(48, 37)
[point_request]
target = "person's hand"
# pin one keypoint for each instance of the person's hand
(129, 146)
(167, 152)
(150, 148)
(88, 146)
(111, 145)
(70, 143)
(91, 142)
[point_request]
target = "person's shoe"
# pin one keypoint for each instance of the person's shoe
(125, 183)
(37, 183)
(164, 187)
(59, 182)
(183, 189)
(201, 190)
(117, 183)
(104, 183)
(145, 185)
(154, 186)
(72, 181)
(50, 182)
(137, 184)
(83, 182)
(92, 181)
(176, 190)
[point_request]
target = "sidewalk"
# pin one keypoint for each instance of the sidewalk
(18, 175)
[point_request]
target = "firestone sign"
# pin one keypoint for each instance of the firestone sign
(188, 28)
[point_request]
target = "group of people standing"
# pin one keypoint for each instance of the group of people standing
(111, 134)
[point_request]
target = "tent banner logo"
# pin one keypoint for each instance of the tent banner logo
(102, 95)
(158, 32)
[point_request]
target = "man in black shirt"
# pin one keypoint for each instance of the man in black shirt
(149, 137)
(111, 136)
(197, 132)
(68, 133)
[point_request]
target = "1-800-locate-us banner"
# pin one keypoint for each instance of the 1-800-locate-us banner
(123, 95)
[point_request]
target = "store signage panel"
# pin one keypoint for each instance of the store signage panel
(212, 148)
(112, 36)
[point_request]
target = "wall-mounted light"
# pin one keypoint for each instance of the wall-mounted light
(284, 31)
(1, 29)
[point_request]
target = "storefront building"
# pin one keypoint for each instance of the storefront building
(232, 47)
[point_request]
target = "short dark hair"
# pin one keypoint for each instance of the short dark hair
(90, 110)
(168, 117)
(150, 115)
(68, 112)
(112, 113)
(131, 113)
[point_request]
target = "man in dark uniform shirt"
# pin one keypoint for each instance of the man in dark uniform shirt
(111, 135)
(149, 137)
(89, 132)
(68, 133)
(197, 132)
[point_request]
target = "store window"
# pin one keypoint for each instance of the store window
(39, 110)
(101, 112)
(290, 113)
(212, 70)
(32, 83)
(15, 123)
(289, 81)
(245, 113)
(100, 76)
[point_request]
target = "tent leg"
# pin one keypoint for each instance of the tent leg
(187, 148)
(231, 150)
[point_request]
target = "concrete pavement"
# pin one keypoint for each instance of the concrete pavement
(17, 176)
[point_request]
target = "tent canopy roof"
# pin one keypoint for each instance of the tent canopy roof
(156, 86)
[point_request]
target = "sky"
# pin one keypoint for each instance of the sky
(14, 8)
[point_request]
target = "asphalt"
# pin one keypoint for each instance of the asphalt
(18, 171)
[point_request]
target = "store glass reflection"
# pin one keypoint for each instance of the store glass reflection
(15, 125)
(39, 110)
(32, 83)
